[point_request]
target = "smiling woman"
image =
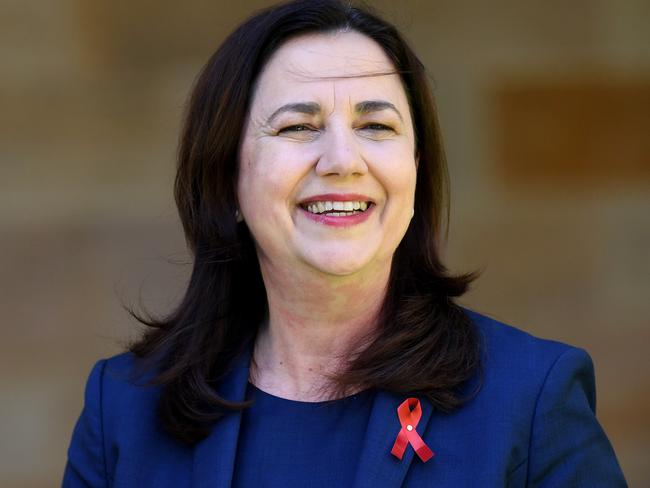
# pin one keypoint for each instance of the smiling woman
(318, 342)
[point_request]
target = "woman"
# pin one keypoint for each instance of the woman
(318, 343)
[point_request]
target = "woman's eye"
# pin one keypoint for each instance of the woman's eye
(377, 127)
(296, 128)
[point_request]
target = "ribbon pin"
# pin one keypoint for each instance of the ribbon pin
(409, 414)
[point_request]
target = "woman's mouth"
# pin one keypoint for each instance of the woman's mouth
(336, 208)
(337, 213)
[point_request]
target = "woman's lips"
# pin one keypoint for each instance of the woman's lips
(354, 218)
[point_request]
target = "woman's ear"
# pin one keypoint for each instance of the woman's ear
(238, 216)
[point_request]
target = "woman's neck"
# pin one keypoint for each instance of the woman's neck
(313, 322)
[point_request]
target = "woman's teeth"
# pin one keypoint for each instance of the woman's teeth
(336, 209)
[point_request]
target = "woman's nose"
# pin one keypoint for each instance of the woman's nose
(341, 154)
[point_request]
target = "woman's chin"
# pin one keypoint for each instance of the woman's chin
(340, 270)
(339, 264)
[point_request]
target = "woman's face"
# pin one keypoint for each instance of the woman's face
(327, 163)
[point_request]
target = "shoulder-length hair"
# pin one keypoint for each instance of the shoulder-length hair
(423, 342)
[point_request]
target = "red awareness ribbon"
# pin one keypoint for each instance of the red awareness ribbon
(409, 413)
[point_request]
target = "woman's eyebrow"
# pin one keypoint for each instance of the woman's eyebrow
(309, 108)
(313, 108)
(370, 106)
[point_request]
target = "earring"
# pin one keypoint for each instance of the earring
(238, 216)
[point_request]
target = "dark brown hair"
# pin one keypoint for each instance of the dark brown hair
(424, 343)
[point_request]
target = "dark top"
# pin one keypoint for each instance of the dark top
(323, 441)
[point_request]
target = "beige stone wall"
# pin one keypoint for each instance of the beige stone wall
(91, 95)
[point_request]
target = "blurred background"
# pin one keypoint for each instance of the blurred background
(545, 109)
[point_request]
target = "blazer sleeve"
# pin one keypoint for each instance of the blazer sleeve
(86, 465)
(568, 446)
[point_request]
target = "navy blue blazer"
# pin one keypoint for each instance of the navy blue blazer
(531, 424)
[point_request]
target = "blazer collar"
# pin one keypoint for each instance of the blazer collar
(214, 457)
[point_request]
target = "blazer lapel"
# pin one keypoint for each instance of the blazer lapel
(214, 457)
(377, 466)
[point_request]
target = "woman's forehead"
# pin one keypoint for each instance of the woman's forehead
(320, 66)
(338, 54)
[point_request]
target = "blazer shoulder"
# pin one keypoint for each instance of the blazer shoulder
(118, 440)
(513, 360)
(502, 341)
(121, 368)
(125, 396)
(126, 376)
